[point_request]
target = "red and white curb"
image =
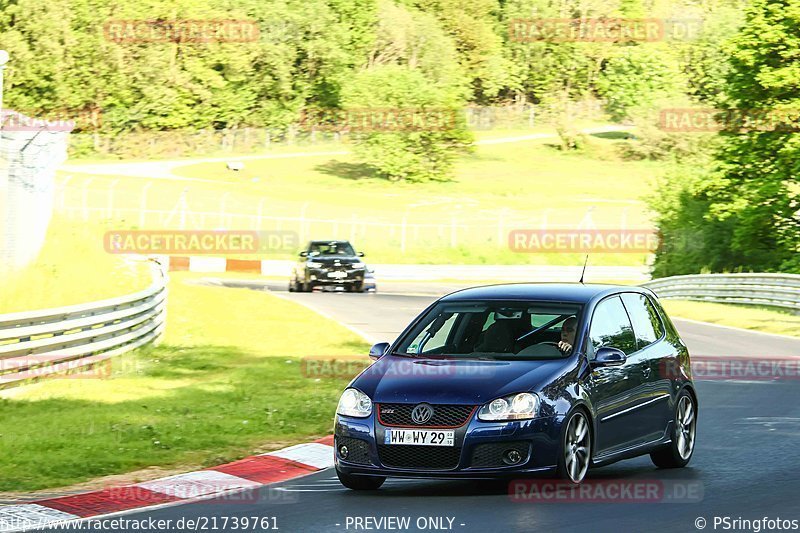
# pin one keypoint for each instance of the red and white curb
(240, 476)
(411, 272)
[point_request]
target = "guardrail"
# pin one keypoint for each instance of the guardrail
(777, 290)
(76, 338)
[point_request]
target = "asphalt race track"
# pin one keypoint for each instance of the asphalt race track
(746, 463)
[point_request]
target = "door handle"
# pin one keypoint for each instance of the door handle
(647, 372)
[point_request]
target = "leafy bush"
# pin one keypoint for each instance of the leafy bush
(424, 151)
(636, 76)
(654, 142)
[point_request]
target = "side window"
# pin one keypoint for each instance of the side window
(612, 327)
(437, 340)
(646, 323)
(655, 318)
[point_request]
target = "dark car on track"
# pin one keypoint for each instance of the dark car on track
(520, 379)
(329, 264)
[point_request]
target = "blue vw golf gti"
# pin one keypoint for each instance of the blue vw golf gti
(509, 380)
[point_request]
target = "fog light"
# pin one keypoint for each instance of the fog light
(512, 457)
(343, 451)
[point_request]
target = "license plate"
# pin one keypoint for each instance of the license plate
(338, 275)
(419, 437)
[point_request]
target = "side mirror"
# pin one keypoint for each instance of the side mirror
(360, 254)
(303, 254)
(378, 350)
(609, 356)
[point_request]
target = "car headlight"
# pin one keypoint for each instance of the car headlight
(313, 264)
(520, 406)
(358, 264)
(354, 403)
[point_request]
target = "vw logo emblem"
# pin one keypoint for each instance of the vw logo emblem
(421, 413)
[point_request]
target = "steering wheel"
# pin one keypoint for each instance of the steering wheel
(555, 345)
(542, 349)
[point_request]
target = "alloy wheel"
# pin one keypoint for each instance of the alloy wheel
(686, 427)
(577, 448)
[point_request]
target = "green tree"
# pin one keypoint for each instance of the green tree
(637, 76)
(423, 152)
(749, 207)
(475, 28)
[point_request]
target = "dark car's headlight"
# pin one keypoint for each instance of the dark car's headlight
(314, 264)
(358, 264)
(520, 406)
(354, 403)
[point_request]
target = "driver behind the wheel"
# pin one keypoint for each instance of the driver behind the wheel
(568, 335)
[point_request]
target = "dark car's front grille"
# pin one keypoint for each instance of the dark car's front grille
(422, 457)
(444, 416)
(490, 455)
(357, 450)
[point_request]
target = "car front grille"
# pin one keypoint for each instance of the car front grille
(444, 416)
(330, 267)
(490, 455)
(419, 457)
(357, 450)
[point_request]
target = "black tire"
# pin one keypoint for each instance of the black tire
(355, 287)
(575, 474)
(360, 482)
(679, 451)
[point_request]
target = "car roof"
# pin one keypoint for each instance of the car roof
(557, 292)
(329, 241)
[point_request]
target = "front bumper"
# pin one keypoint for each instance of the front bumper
(476, 455)
(320, 276)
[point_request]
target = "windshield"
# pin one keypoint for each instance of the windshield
(331, 248)
(493, 330)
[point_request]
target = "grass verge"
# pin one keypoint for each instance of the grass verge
(226, 381)
(753, 318)
(72, 268)
(499, 188)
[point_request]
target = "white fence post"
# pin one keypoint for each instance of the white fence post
(143, 204)
(110, 205)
